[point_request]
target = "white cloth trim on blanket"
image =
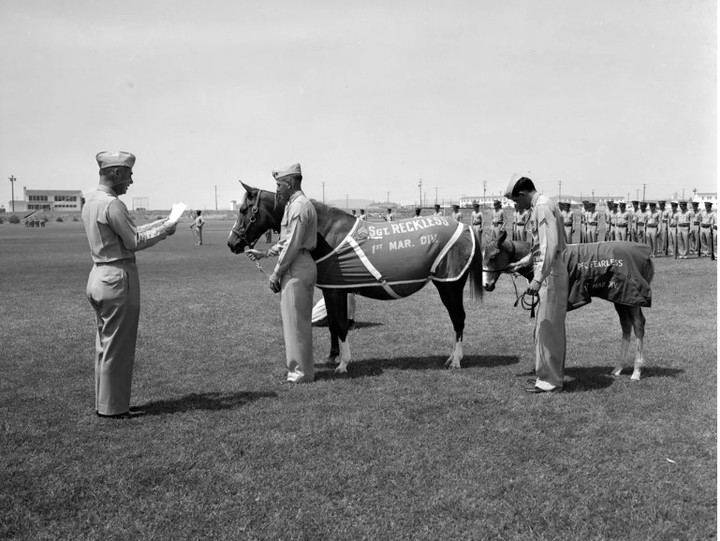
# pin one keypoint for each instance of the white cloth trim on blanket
(345, 240)
(446, 249)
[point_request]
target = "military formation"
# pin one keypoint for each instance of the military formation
(679, 231)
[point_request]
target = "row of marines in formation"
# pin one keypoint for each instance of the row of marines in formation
(678, 231)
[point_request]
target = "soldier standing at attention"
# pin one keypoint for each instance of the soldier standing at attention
(113, 287)
(608, 220)
(663, 230)
(707, 220)
(498, 220)
(641, 219)
(672, 228)
(614, 221)
(550, 283)
(652, 225)
(197, 227)
(438, 212)
(456, 214)
(362, 216)
(685, 218)
(695, 229)
(418, 210)
(295, 272)
(389, 216)
(621, 222)
(592, 219)
(634, 212)
(568, 222)
(476, 219)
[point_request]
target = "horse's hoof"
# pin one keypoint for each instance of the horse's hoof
(449, 362)
(615, 373)
(341, 369)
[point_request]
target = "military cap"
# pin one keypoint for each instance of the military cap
(696, 202)
(497, 202)
(115, 159)
(635, 202)
(661, 202)
(674, 203)
(683, 203)
(623, 204)
(476, 204)
(290, 170)
(653, 204)
(456, 207)
(437, 207)
(708, 203)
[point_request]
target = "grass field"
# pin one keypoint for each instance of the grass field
(400, 448)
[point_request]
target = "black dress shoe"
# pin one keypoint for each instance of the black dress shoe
(537, 390)
(126, 415)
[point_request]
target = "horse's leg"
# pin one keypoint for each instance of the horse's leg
(638, 323)
(624, 312)
(336, 305)
(451, 294)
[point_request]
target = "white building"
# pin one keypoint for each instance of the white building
(56, 200)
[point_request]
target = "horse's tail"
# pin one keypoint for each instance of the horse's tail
(475, 274)
(648, 270)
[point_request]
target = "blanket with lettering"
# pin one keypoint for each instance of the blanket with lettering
(395, 259)
(619, 272)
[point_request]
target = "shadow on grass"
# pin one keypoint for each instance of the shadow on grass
(591, 378)
(375, 367)
(358, 325)
(203, 401)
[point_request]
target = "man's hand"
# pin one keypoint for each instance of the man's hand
(533, 288)
(254, 254)
(523, 263)
(274, 283)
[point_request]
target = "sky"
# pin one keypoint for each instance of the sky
(372, 98)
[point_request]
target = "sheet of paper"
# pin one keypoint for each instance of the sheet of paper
(175, 213)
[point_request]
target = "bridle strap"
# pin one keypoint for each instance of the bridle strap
(241, 233)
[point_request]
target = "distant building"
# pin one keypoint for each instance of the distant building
(56, 200)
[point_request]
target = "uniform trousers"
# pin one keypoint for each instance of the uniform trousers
(114, 293)
(651, 236)
(568, 234)
(683, 241)
(518, 233)
(672, 240)
(550, 326)
(705, 239)
(663, 238)
(694, 240)
(296, 304)
(621, 233)
(496, 229)
(592, 231)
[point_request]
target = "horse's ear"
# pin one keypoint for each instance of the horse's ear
(248, 189)
(502, 237)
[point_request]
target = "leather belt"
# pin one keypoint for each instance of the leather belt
(116, 261)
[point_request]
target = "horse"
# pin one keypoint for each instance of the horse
(620, 272)
(452, 255)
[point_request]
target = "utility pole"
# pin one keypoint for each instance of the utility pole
(593, 195)
(484, 190)
(388, 197)
(644, 185)
(323, 192)
(420, 186)
(436, 194)
(346, 201)
(215, 197)
(12, 184)
(559, 189)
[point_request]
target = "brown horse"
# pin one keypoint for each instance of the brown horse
(380, 261)
(620, 272)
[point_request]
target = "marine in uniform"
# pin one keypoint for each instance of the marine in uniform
(568, 222)
(685, 218)
(707, 220)
(438, 212)
(113, 286)
(694, 242)
(550, 283)
(652, 225)
(295, 273)
(673, 228)
(456, 214)
(389, 216)
(362, 216)
(476, 219)
(663, 235)
(634, 212)
(498, 219)
(418, 210)
(641, 220)
(608, 220)
(622, 218)
(593, 217)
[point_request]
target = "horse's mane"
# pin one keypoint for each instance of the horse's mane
(330, 211)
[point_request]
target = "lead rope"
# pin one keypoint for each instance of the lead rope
(522, 300)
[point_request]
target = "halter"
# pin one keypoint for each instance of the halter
(520, 298)
(241, 232)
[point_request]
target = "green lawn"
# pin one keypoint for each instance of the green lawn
(400, 448)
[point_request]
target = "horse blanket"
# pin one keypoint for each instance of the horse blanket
(619, 272)
(396, 259)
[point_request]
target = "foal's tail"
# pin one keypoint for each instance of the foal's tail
(648, 271)
(475, 274)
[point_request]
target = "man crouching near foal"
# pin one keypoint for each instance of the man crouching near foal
(295, 273)
(550, 283)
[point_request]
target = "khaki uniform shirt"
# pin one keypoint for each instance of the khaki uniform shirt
(298, 231)
(111, 232)
(548, 236)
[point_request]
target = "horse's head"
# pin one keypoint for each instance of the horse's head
(497, 257)
(257, 213)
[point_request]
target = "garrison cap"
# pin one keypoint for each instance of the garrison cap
(437, 207)
(683, 202)
(695, 203)
(290, 170)
(662, 202)
(674, 203)
(456, 206)
(653, 204)
(107, 159)
(635, 202)
(511, 184)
